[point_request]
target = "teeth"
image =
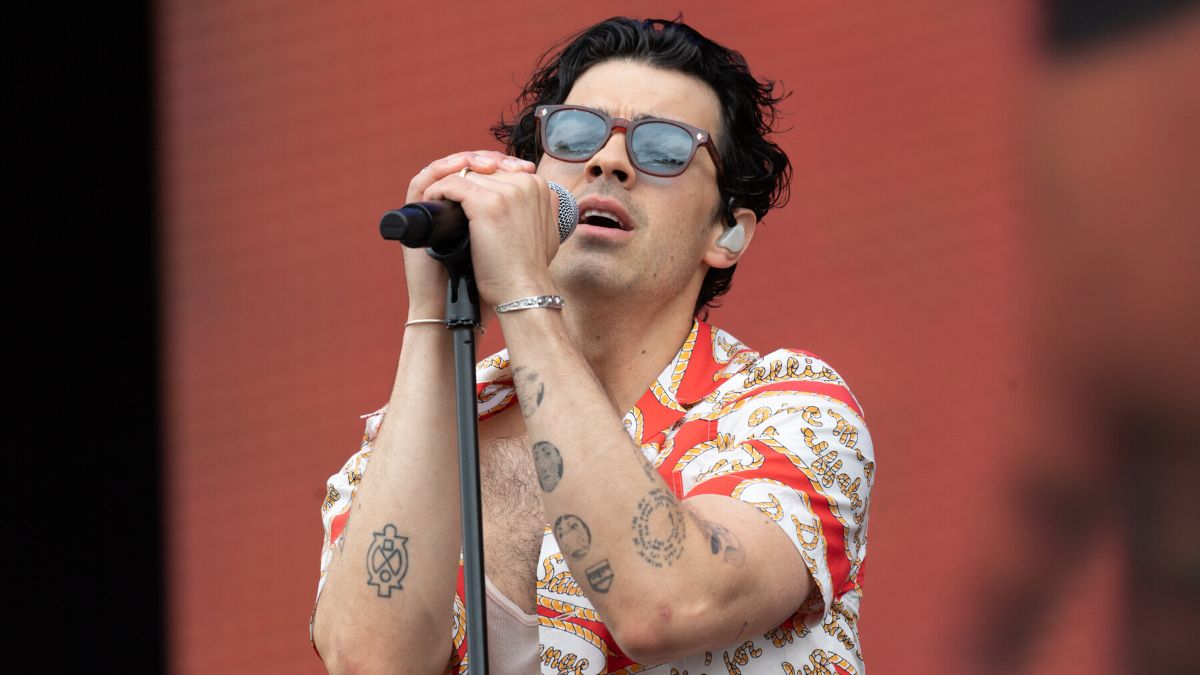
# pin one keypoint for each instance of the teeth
(602, 214)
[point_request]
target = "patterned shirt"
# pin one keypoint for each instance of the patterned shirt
(781, 432)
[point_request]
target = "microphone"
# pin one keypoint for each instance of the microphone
(441, 224)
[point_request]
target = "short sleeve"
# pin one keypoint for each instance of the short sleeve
(800, 452)
(335, 510)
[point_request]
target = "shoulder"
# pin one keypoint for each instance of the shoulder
(789, 372)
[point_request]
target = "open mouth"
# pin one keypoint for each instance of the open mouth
(598, 218)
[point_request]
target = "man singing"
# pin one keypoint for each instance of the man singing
(658, 497)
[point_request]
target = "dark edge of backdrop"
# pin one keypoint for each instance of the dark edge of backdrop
(1072, 27)
(86, 519)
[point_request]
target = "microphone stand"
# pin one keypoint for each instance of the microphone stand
(462, 317)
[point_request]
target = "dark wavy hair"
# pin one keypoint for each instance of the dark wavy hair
(755, 172)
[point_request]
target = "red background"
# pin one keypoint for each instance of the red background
(288, 128)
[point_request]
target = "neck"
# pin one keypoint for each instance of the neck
(627, 352)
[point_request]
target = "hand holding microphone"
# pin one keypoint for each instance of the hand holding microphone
(443, 223)
(515, 221)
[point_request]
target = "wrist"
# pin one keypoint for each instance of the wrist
(534, 321)
(522, 288)
(417, 312)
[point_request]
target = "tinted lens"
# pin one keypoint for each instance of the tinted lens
(574, 135)
(661, 148)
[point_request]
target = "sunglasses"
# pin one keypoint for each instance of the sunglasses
(656, 146)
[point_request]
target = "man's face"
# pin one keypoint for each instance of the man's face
(672, 221)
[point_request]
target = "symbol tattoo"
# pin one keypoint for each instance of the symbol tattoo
(658, 528)
(573, 535)
(387, 561)
(600, 576)
(548, 463)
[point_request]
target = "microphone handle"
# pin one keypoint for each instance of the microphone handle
(413, 224)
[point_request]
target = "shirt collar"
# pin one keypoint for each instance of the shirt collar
(707, 357)
(696, 371)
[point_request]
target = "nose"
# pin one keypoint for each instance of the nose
(613, 161)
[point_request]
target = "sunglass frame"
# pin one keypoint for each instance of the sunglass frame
(699, 137)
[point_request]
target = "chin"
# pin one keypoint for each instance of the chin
(582, 276)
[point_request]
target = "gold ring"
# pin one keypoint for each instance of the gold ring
(465, 170)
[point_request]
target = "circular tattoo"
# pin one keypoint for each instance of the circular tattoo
(658, 528)
(573, 535)
(549, 465)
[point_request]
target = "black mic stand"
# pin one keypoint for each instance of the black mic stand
(462, 317)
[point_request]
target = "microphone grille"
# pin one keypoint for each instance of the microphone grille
(568, 211)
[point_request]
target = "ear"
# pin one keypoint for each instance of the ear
(729, 244)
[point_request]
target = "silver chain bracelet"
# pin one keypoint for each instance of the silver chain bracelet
(544, 301)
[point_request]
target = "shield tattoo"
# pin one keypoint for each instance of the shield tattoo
(387, 561)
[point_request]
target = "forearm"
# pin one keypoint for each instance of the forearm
(387, 606)
(626, 538)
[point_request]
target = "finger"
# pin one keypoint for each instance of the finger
(435, 171)
(458, 188)
(507, 182)
(531, 186)
(479, 188)
(506, 162)
(483, 161)
(479, 161)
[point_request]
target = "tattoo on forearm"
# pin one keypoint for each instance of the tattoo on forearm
(573, 535)
(530, 398)
(387, 561)
(721, 542)
(600, 576)
(658, 528)
(548, 464)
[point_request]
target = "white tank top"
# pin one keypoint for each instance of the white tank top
(512, 635)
